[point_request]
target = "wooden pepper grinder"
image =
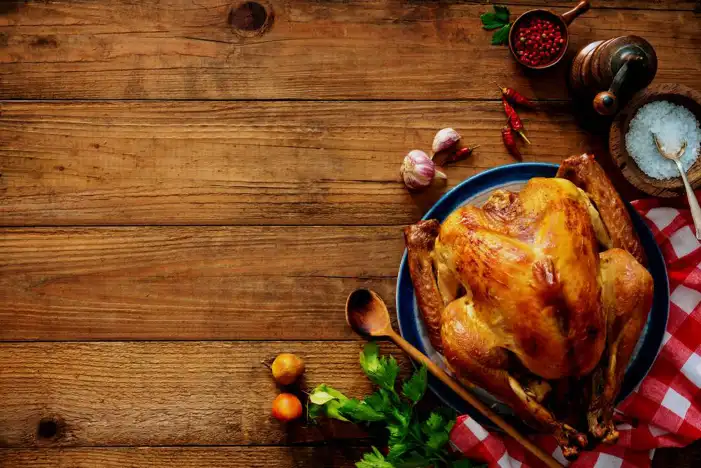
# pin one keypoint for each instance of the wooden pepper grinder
(606, 71)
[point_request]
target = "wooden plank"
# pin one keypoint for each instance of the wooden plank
(333, 455)
(376, 49)
(668, 5)
(185, 393)
(248, 162)
(190, 283)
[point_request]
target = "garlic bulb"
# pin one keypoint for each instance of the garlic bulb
(445, 139)
(418, 170)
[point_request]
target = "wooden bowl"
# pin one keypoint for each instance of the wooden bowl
(562, 21)
(678, 94)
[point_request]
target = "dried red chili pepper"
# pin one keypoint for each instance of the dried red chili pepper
(515, 97)
(461, 154)
(510, 142)
(514, 119)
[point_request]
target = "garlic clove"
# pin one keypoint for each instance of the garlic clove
(446, 138)
(418, 170)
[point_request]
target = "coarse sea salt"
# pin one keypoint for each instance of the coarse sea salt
(673, 124)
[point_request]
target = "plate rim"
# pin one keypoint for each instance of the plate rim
(637, 368)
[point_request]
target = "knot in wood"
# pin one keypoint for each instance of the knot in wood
(250, 19)
(50, 428)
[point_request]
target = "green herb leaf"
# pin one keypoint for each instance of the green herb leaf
(374, 459)
(397, 450)
(437, 441)
(496, 20)
(489, 18)
(323, 394)
(501, 13)
(414, 388)
(399, 425)
(415, 429)
(326, 401)
(370, 358)
(402, 415)
(379, 401)
(381, 371)
(359, 411)
(315, 411)
(490, 21)
(332, 410)
(434, 423)
(501, 36)
(492, 26)
(437, 429)
(397, 433)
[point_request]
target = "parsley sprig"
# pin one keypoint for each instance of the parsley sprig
(411, 442)
(498, 20)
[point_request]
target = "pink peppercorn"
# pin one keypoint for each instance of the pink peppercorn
(540, 41)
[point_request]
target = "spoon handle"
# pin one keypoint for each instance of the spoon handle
(440, 374)
(693, 202)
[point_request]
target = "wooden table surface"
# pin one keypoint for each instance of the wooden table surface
(183, 195)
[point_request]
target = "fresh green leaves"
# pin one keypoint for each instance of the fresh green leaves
(495, 20)
(414, 388)
(360, 411)
(499, 21)
(374, 459)
(502, 13)
(434, 423)
(411, 442)
(501, 36)
(437, 430)
(382, 371)
(323, 394)
(326, 401)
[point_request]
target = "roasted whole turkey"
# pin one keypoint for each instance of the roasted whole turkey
(539, 297)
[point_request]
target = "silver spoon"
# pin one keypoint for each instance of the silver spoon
(690, 195)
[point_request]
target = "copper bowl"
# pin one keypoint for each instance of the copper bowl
(563, 21)
(677, 94)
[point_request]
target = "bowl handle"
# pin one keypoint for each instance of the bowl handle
(571, 15)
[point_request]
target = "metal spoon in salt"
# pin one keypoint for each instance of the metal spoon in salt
(693, 202)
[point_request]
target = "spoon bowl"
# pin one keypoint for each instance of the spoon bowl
(674, 157)
(367, 314)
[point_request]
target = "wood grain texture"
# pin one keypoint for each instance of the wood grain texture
(311, 188)
(189, 282)
(379, 49)
(333, 455)
(328, 456)
(246, 162)
(202, 393)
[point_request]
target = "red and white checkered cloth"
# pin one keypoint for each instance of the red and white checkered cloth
(665, 409)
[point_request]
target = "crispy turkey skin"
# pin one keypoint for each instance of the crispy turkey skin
(534, 290)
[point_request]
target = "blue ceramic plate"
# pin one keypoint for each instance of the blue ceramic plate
(476, 190)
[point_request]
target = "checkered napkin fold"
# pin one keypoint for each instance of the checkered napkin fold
(665, 409)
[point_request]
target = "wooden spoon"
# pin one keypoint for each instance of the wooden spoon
(690, 195)
(367, 315)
